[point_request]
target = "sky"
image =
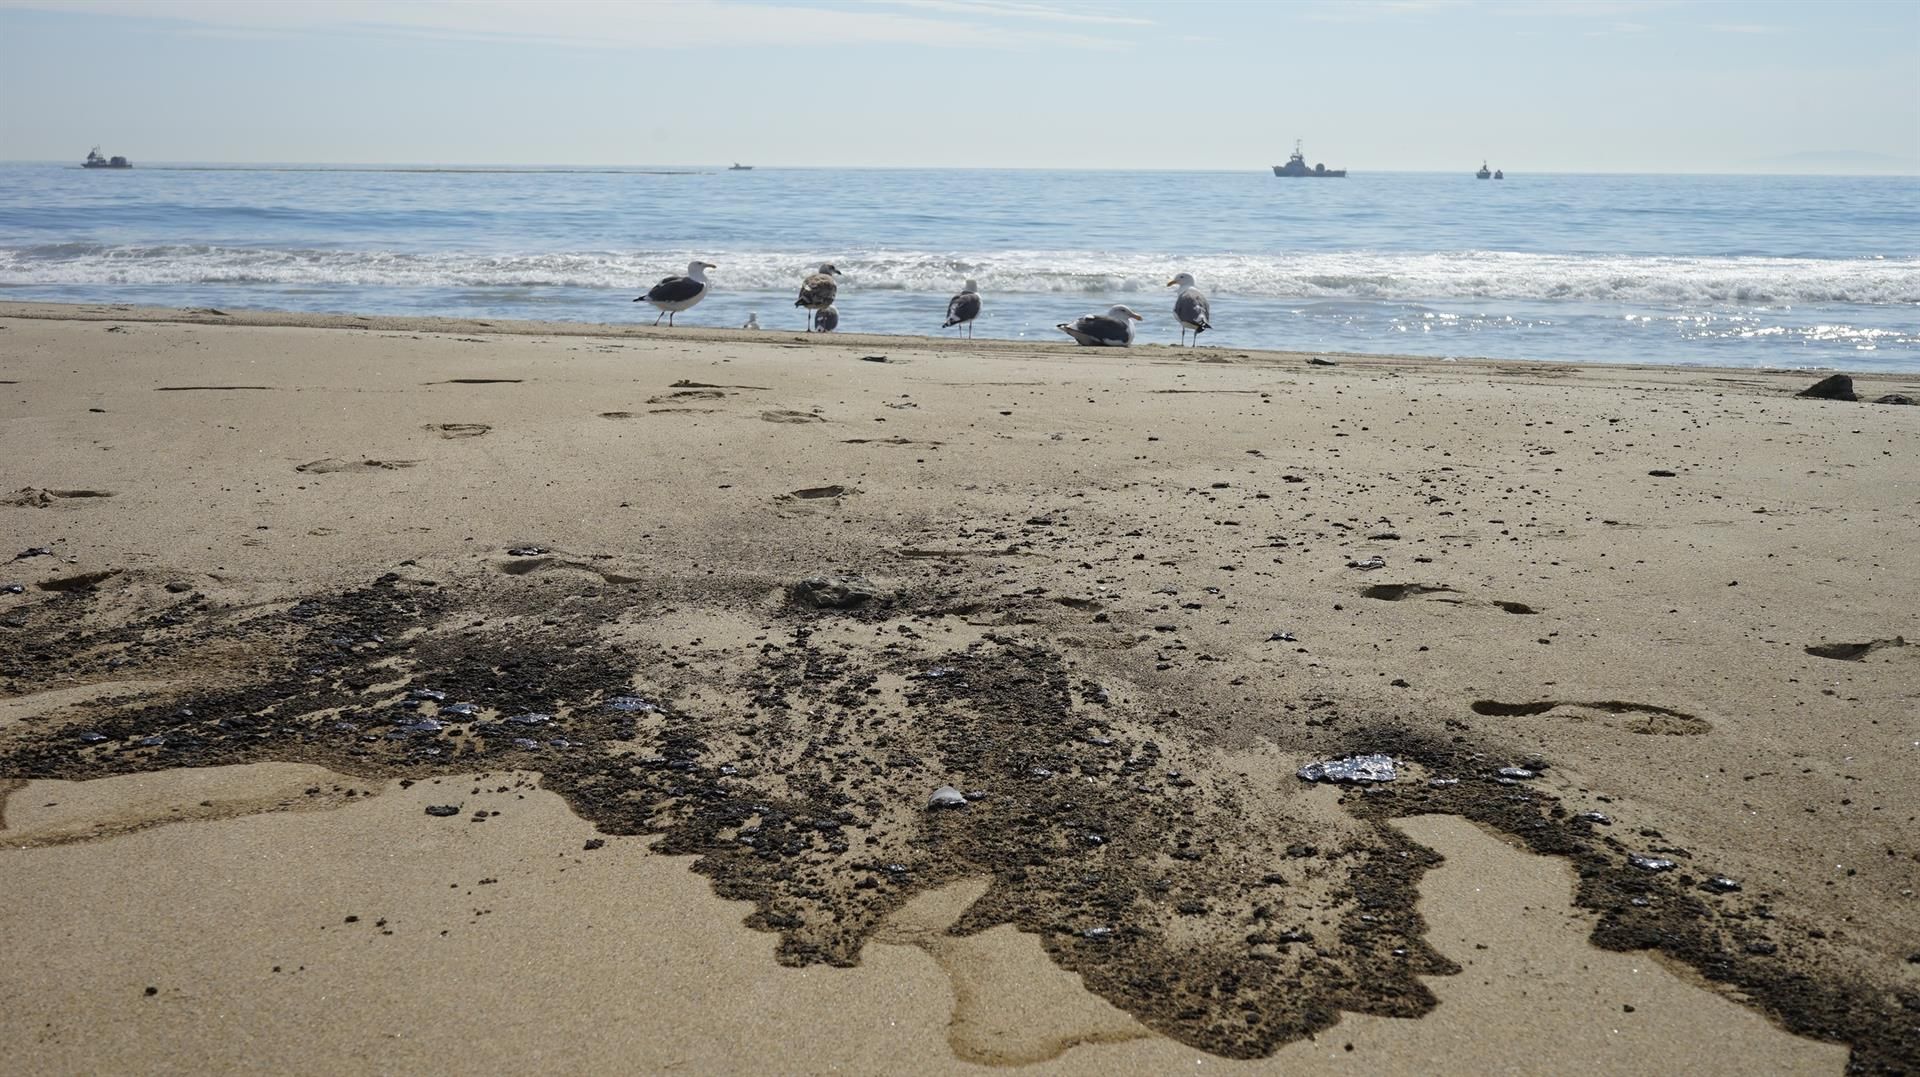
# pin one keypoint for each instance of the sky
(1527, 85)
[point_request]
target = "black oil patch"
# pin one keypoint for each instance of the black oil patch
(798, 773)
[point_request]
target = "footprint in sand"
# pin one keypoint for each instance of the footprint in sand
(685, 384)
(1642, 718)
(685, 395)
(657, 411)
(458, 430)
(331, 466)
(1853, 652)
(85, 581)
(891, 441)
(526, 565)
(1397, 592)
(784, 416)
(815, 493)
(34, 497)
(477, 381)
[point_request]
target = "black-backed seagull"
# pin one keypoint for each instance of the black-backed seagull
(962, 309)
(1114, 329)
(675, 294)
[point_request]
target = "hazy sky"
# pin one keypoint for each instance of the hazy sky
(1530, 85)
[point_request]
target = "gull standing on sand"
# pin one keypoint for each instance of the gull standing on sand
(818, 290)
(675, 294)
(826, 319)
(753, 320)
(962, 309)
(1114, 329)
(1190, 308)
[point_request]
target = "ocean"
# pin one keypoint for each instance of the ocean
(1761, 271)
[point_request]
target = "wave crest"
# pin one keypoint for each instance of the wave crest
(1369, 275)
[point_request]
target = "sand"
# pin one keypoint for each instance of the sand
(1077, 563)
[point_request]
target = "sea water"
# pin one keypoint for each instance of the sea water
(1778, 271)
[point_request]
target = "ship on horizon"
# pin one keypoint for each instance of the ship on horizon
(94, 160)
(1297, 166)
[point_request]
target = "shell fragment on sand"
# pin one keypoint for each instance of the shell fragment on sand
(1354, 768)
(946, 797)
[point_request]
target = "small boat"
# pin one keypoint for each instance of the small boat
(738, 167)
(94, 160)
(1497, 174)
(1297, 166)
(1483, 173)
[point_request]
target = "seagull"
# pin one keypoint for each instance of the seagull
(674, 294)
(1190, 307)
(962, 309)
(753, 320)
(826, 319)
(818, 290)
(1114, 329)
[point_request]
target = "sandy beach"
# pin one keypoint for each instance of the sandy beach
(727, 608)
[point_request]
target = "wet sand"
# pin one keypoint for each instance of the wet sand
(264, 536)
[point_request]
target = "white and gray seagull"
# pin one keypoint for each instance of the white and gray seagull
(1190, 307)
(817, 291)
(675, 294)
(962, 309)
(1114, 329)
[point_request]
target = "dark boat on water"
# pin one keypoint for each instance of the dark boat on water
(1297, 166)
(738, 167)
(1484, 173)
(94, 160)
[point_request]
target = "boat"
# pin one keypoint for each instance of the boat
(738, 167)
(1497, 174)
(1297, 166)
(94, 160)
(1483, 173)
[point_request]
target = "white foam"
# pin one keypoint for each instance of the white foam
(1352, 275)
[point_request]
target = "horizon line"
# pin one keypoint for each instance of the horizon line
(484, 167)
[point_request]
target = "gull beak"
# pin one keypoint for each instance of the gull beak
(638, 298)
(1137, 317)
(709, 265)
(1171, 283)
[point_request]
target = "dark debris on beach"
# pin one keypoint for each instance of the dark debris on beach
(786, 776)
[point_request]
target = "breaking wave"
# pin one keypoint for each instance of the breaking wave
(1365, 275)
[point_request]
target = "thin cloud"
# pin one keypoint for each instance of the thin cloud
(1582, 9)
(1352, 11)
(662, 24)
(1012, 9)
(1619, 29)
